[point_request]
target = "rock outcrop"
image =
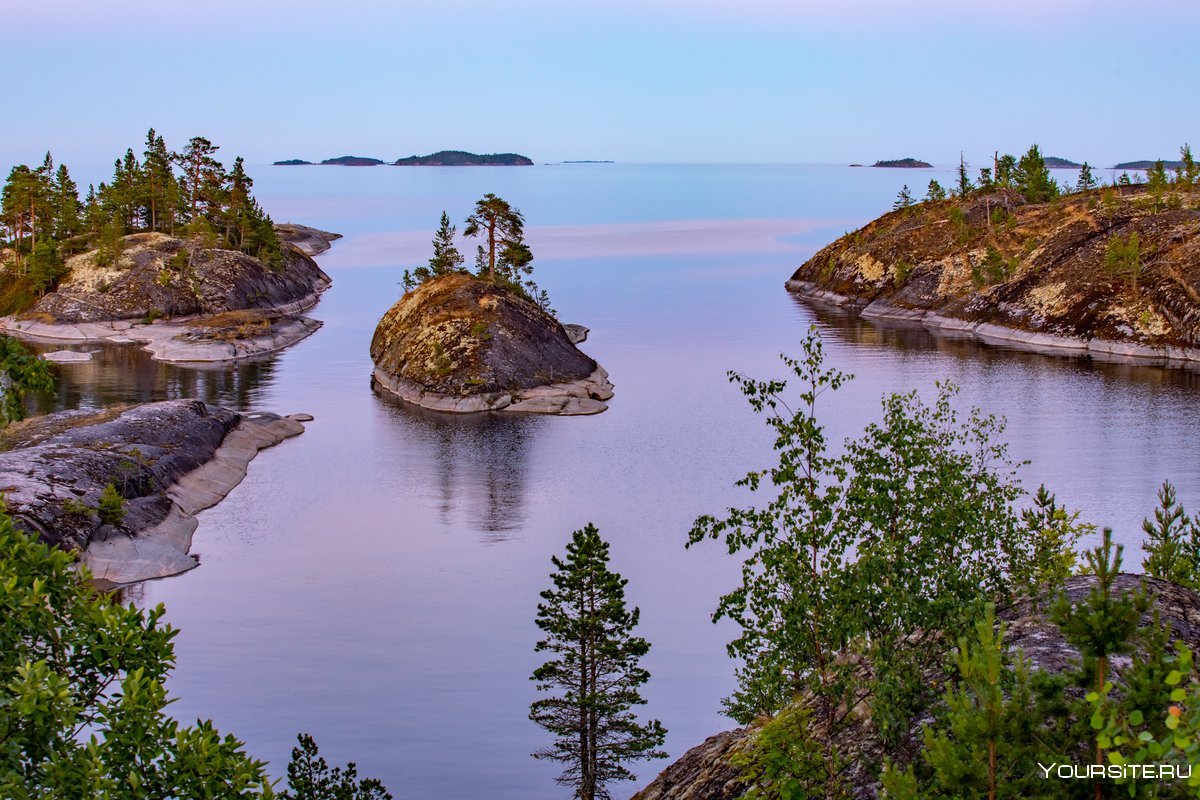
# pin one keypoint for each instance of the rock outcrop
(185, 303)
(167, 460)
(706, 772)
(463, 344)
(1033, 276)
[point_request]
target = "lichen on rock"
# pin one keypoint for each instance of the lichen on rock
(464, 344)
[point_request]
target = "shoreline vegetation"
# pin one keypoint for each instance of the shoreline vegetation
(174, 252)
(1015, 257)
(442, 158)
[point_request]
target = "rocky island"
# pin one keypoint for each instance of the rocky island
(903, 163)
(464, 344)
(1108, 272)
(121, 486)
(461, 158)
(183, 301)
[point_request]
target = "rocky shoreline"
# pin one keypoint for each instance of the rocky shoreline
(245, 309)
(991, 333)
(1110, 274)
(167, 460)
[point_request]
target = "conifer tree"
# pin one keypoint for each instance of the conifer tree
(1157, 183)
(159, 179)
(964, 178)
(1086, 180)
(1188, 173)
(67, 208)
(904, 199)
(1104, 623)
(935, 192)
(499, 223)
(1172, 543)
(593, 672)
(203, 175)
(1006, 170)
(1032, 177)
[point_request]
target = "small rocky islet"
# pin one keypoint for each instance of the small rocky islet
(464, 344)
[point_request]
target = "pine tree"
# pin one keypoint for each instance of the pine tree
(904, 199)
(1006, 170)
(67, 209)
(1104, 623)
(964, 178)
(159, 180)
(594, 670)
(1032, 177)
(1172, 542)
(446, 258)
(1157, 183)
(1188, 173)
(499, 223)
(203, 175)
(935, 192)
(1086, 180)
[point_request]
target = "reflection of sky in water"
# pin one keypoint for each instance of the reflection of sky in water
(374, 580)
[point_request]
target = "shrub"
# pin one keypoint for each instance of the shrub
(112, 506)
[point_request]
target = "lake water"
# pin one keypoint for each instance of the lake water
(374, 581)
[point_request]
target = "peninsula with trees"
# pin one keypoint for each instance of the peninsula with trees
(1013, 256)
(173, 252)
(484, 340)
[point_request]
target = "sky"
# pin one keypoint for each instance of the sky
(775, 81)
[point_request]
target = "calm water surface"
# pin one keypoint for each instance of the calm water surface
(374, 581)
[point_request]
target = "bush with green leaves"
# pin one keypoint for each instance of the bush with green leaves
(21, 372)
(861, 561)
(112, 505)
(83, 699)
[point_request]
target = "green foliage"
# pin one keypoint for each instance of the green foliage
(506, 259)
(1172, 543)
(21, 372)
(901, 271)
(1006, 171)
(964, 185)
(595, 670)
(992, 269)
(1153, 718)
(1103, 624)
(310, 778)
(935, 192)
(784, 762)
(1050, 544)
(1123, 258)
(958, 221)
(1086, 180)
(1032, 177)
(1187, 175)
(1157, 183)
(995, 725)
(112, 506)
(904, 199)
(111, 242)
(46, 267)
(853, 571)
(82, 694)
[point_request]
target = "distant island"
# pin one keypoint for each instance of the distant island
(1054, 162)
(1146, 164)
(460, 158)
(352, 161)
(905, 163)
(292, 162)
(589, 162)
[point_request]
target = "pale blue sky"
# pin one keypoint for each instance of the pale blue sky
(652, 80)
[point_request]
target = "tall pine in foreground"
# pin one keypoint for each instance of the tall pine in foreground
(594, 672)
